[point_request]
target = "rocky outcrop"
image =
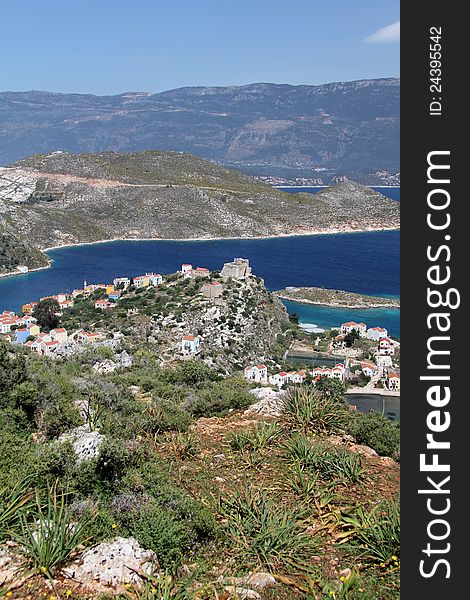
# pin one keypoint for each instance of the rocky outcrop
(269, 403)
(112, 564)
(86, 443)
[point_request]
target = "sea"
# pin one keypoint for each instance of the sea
(367, 263)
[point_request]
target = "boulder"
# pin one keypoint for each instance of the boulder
(113, 563)
(269, 403)
(86, 443)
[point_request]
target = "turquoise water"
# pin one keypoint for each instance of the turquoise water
(327, 317)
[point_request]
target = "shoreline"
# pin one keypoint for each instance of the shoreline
(333, 231)
(330, 305)
(219, 239)
(29, 270)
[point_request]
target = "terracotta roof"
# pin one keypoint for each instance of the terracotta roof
(261, 366)
(348, 324)
(189, 338)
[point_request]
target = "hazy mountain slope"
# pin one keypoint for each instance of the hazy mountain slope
(349, 128)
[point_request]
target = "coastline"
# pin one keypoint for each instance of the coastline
(333, 305)
(332, 231)
(14, 273)
(215, 239)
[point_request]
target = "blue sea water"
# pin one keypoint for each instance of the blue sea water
(367, 263)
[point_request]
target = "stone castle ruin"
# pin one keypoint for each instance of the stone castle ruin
(239, 268)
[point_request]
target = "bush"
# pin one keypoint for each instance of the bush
(157, 530)
(306, 410)
(261, 528)
(217, 398)
(374, 534)
(50, 536)
(375, 430)
(166, 416)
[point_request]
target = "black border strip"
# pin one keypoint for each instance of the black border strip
(427, 128)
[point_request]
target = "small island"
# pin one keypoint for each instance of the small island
(335, 298)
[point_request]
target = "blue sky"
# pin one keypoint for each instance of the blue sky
(113, 46)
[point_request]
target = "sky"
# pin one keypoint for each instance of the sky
(113, 46)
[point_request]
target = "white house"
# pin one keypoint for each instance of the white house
(190, 344)
(393, 381)
(361, 328)
(58, 334)
(337, 372)
(155, 278)
(386, 346)
(48, 348)
(122, 281)
(369, 369)
(279, 379)
(87, 337)
(257, 374)
(384, 362)
(375, 333)
(185, 268)
(297, 376)
(104, 305)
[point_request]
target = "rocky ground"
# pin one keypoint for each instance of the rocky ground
(335, 298)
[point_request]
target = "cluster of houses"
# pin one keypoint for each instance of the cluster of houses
(386, 348)
(259, 374)
(23, 329)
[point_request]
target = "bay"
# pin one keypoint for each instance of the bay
(366, 263)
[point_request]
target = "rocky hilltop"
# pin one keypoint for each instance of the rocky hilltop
(345, 128)
(63, 198)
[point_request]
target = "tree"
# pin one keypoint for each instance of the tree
(47, 314)
(330, 388)
(294, 318)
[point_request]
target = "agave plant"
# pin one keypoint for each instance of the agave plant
(51, 537)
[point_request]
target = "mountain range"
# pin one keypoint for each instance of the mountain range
(324, 132)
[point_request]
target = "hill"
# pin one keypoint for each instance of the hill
(337, 129)
(63, 198)
(149, 476)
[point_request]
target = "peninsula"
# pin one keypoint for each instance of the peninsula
(62, 199)
(335, 298)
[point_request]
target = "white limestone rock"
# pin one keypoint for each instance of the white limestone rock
(112, 563)
(86, 443)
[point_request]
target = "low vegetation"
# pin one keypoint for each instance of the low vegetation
(183, 471)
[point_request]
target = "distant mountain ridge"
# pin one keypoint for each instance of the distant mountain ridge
(328, 131)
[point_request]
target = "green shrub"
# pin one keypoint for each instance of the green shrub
(306, 410)
(157, 530)
(49, 536)
(260, 527)
(375, 430)
(373, 534)
(164, 415)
